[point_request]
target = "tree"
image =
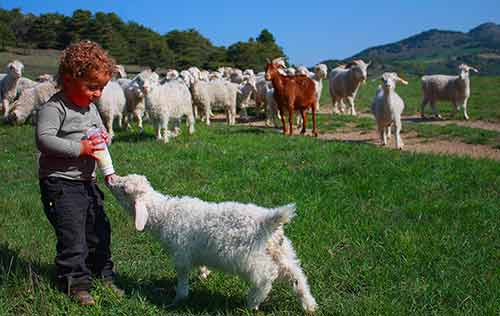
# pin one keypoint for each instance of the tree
(265, 37)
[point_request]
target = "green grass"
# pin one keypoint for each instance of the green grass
(378, 232)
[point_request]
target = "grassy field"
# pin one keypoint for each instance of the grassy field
(378, 232)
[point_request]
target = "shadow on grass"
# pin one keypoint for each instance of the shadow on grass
(11, 264)
(161, 293)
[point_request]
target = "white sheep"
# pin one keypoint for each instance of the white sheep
(246, 91)
(9, 89)
(344, 82)
(30, 100)
(447, 88)
(165, 102)
(215, 94)
(112, 105)
(119, 72)
(136, 105)
(242, 239)
(387, 107)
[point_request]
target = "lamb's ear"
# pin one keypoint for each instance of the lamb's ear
(141, 215)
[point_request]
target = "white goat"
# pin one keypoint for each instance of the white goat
(387, 107)
(209, 95)
(8, 85)
(344, 82)
(244, 239)
(112, 105)
(30, 100)
(169, 101)
(448, 88)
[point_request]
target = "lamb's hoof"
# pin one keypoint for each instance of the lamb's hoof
(310, 309)
(204, 272)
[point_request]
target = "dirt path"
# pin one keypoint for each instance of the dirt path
(412, 142)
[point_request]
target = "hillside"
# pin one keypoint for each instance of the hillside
(438, 51)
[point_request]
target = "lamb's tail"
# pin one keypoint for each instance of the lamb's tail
(279, 216)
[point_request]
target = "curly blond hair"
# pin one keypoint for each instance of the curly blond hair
(80, 58)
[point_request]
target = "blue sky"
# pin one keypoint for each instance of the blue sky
(308, 31)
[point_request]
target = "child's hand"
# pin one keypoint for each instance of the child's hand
(89, 146)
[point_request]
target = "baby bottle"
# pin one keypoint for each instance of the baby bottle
(104, 163)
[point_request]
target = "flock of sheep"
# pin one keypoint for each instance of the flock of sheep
(195, 93)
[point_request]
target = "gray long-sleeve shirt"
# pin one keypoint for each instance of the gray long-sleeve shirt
(60, 126)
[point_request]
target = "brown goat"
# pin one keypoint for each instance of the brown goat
(293, 93)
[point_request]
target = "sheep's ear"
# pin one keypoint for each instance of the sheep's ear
(141, 215)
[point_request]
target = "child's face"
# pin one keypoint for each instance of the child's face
(83, 91)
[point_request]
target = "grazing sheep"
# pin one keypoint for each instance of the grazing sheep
(112, 105)
(209, 95)
(387, 107)
(447, 88)
(344, 82)
(30, 100)
(8, 85)
(243, 239)
(169, 101)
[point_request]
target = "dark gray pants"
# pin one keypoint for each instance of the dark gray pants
(75, 210)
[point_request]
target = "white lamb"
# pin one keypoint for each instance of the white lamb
(165, 102)
(387, 107)
(447, 88)
(243, 239)
(344, 82)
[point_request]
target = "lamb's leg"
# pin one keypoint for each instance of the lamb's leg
(350, 102)
(109, 126)
(182, 289)
(207, 115)
(399, 140)
(158, 132)
(384, 135)
(422, 107)
(259, 292)
(5, 108)
(283, 124)
(190, 122)
(466, 116)
(315, 129)
(120, 120)
(290, 120)
(290, 270)
(299, 121)
(380, 130)
(434, 110)
(138, 118)
(304, 121)
(389, 131)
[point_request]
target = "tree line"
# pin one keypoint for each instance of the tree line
(133, 43)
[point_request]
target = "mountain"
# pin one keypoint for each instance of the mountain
(437, 51)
